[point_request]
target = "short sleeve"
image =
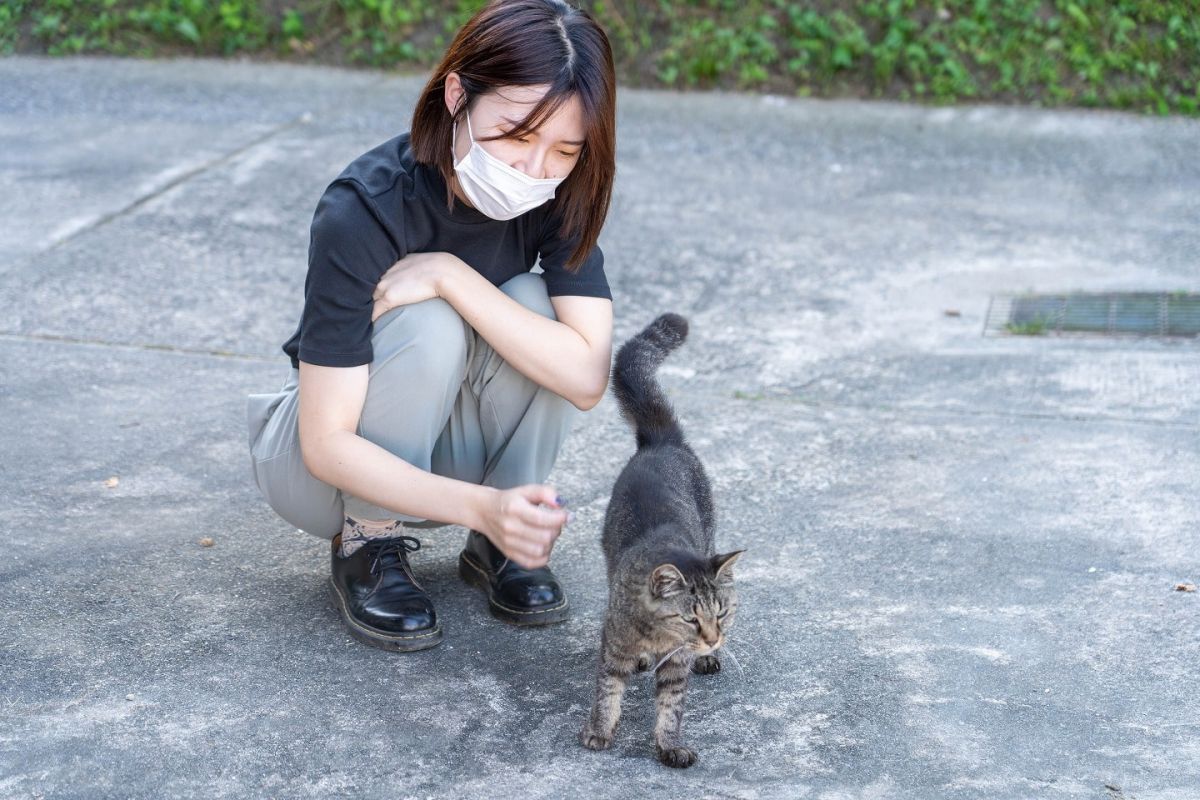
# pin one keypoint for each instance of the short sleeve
(554, 250)
(347, 255)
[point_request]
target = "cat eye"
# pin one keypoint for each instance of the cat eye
(723, 613)
(688, 619)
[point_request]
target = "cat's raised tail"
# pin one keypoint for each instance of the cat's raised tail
(636, 386)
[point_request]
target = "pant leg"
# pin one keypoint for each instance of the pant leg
(438, 397)
(418, 367)
(277, 465)
(506, 430)
(419, 364)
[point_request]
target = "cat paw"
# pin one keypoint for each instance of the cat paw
(677, 757)
(706, 665)
(594, 741)
(645, 662)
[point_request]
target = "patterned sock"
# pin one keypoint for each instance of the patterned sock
(355, 532)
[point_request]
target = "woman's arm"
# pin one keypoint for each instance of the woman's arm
(331, 402)
(571, 357)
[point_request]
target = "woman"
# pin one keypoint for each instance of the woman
(434, 377)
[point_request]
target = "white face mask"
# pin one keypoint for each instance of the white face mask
(493, 187)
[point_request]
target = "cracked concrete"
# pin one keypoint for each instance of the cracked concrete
(962, 549)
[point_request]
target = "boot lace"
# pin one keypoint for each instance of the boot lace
(399, 546)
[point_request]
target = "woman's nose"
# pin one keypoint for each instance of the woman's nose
(533, 164)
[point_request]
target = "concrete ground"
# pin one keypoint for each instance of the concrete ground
(962, 549)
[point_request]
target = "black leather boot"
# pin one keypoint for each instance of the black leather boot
(379, 599)
(515, 594)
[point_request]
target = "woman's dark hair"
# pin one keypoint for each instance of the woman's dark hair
(528, 43)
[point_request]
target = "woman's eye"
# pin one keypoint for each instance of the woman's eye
(567, 155)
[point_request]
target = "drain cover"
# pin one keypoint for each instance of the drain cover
(1111, 314)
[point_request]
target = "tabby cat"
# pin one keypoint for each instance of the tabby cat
(670, 597)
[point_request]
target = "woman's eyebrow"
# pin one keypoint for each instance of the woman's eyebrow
(518, 122)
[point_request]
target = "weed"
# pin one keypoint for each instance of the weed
(1033, 327)
(1142, 55)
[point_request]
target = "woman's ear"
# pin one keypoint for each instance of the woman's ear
(454, 92)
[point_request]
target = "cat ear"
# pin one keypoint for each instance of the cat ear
(723, 564)
(667, 581)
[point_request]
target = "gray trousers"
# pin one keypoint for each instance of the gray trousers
(438, 396)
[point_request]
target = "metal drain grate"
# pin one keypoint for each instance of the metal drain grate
(1111, 314)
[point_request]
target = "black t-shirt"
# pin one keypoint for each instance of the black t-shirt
(384, 206)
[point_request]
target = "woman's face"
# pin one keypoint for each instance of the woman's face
(550, 151)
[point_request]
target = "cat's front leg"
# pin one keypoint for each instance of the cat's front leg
(670, 688)
(611, 679)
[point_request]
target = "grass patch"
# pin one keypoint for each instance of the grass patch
(1142, 55)
(1034, 327)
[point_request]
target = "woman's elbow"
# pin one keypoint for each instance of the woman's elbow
(311, 462)
(591, 395)
(313, 457)
(586, 403)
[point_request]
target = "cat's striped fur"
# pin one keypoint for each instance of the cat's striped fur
(671, 597)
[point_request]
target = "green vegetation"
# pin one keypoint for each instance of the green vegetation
(1141, 55)
(1036, 327)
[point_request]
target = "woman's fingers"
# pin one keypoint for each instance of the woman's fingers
(527, 553)
(540, 493)
(528, 541)
(531, 523)
(543, 517)
(539, 496)
(378, 310)
(536, 538)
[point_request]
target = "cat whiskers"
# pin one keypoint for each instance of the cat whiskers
(668, 655)
(742, 644)
(725, 651)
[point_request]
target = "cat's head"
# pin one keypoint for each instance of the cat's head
(693, 599)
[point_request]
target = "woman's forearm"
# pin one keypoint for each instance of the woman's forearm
(365, 470)
(544, 350)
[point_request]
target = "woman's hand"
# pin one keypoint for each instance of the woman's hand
(520, 528)
(412, 279)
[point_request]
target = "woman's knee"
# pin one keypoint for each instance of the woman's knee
(429, 336)
(529, 289)
(419, 365)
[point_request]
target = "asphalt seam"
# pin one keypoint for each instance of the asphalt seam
(167, 348)
(817, 405)
(303, 119)
(172, 183)
(794, 401)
